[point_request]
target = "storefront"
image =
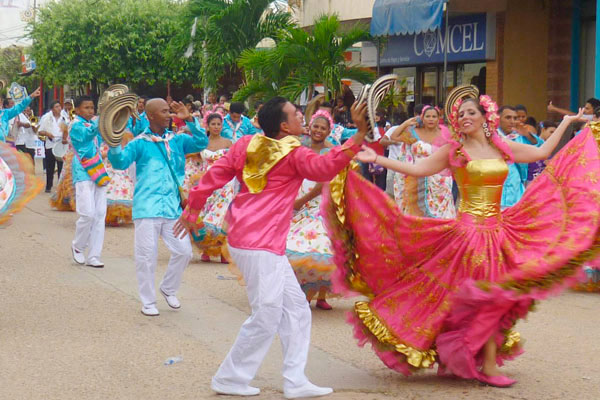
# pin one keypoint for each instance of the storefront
(418, 59)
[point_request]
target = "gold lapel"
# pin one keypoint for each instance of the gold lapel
(262, 154)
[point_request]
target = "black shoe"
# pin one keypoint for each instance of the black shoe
(47, 190)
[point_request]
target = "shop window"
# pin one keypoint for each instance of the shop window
(472, 74)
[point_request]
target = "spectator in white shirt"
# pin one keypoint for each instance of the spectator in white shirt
(54, 127)
(26, 136)
(394, 149)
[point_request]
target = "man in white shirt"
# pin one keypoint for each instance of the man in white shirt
(26, 136)
(54, 127)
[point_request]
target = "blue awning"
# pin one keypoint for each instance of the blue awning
(401, 17)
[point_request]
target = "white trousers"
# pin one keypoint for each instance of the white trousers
(90, 204)
(147, 232)
(278, 306)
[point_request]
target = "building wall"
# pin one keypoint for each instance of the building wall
(525, 58)
(306, 11)
(559, 54)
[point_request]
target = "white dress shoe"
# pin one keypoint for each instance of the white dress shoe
(150, 311)
(306, 390)
(78, 256)
(172, 301)
(234, 390)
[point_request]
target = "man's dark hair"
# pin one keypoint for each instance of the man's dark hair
(187, 100)
(271, 116)
(5, 102)
(594, 102)
(418, 109)
(237, 108)
(501, 109)
(531, 121)
(326, 104)
(79, 100)
(520, 107)
(597, 112)
(52, 104)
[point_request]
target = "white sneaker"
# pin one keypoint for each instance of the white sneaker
(172, 301)
(150, 311)
(94, 263)
(234, 390)
(306, 390)
(78, 256)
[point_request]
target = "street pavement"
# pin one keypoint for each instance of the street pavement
(73, 332)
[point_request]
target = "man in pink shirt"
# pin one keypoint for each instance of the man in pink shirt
(271, 169)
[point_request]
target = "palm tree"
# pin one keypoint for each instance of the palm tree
(225, 28)
(302, 59)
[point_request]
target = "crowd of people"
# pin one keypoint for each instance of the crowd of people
(441, 224)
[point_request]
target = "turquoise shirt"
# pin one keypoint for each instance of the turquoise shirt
(514, 185)
(140, 124)
(86, 141)
(242, 128)
(8, 114)
(156, 195)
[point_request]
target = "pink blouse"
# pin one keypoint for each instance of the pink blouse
(261, 221)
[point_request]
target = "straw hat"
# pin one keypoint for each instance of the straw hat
(372, 95)
(460, 92)
(112, 91)
(115, 116)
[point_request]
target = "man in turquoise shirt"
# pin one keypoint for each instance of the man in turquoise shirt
(235, 124)
(137, 126)
(90, 199)
(160, 170)
(7, 114)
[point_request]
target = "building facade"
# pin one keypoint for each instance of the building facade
(518, 51)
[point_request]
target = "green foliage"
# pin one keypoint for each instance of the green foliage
(80, 41)
(225, 29)
(302, 59)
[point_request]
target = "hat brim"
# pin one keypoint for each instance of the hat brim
(114, 117)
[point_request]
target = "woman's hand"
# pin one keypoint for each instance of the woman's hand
(367, 155)
(576, 117)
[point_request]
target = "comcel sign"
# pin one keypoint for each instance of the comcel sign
(471, 38)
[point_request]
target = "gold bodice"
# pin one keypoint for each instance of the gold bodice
(480, 186)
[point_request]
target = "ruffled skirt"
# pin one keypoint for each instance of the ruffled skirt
(63, 199)
(439, 289)
(18, 183)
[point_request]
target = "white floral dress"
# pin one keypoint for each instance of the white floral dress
(429, 196)
(213, 235)
(308, 245)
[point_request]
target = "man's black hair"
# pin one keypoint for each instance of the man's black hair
(237, 108)
(521, 107)
(594, 102)
(79, 100)
(271, 116)
(52, 104)
(501, 109)
(5, 103)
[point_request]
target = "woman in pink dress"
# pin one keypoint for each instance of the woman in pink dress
(448, 291)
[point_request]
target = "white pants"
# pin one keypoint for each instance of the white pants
(90, 203)
(147, 232)
(278, 306)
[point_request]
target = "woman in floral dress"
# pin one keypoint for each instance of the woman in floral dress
(308, 245)
(213, 235)
(429, 196)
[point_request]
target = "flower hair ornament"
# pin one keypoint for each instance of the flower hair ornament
(322, 114)
(205, 119)
(456, 98)
(427, 108)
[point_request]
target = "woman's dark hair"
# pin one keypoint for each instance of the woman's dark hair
(382, 119)
(52, 104)
(594, 102)
(79, 100)
(479, 106)
(271, 116)
(418, 109)
(544, 125)
(531, 121)
(213, 116)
